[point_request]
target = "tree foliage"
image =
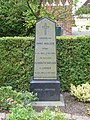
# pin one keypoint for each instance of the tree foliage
(83, 10)
(75, 1)
(33, 13)
(18, 17)
(11, 17)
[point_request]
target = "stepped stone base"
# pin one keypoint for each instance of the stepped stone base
(47, 90)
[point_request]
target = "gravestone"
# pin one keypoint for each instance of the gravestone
(45, 82)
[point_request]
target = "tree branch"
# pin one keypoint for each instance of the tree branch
(39, 8)
(32, 10)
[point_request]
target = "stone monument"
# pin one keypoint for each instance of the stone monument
(44, 81)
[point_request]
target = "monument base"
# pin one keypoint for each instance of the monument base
(47, 90)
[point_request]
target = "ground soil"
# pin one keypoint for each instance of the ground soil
(72, 106)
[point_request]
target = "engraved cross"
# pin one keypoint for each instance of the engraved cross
(45, 28)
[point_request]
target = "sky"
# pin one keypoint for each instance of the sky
(81, 2)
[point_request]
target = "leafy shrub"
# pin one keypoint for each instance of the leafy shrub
(81, 92)
(10, 98)
(28, 113)
(47, 114)
(19, 106)
(88, 110)
(22, 113)
(17, 59)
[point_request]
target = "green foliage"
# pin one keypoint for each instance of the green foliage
(10, 98)
(5, 94)
(73, 60)
(22, 113)
(75, 2)
(88, 110)
(83, 10)
(17, 56)
(16, 61)
(47, 114)
(31, 17)
(11, 17)
(19, 106)
(28, 113)
(81, 92)
(18, 17)
(73, 23)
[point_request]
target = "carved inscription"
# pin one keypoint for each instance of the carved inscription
(45, 51)
(45, 28)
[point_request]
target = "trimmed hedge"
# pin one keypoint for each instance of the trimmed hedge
(73, 58)
(17, 55)
(16, 62)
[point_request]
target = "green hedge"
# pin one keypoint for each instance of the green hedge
(16, 62)
(73, 58)
(17, 55)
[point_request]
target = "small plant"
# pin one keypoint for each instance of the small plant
(21, 113)
(88, 111)
(81, 92)
(10, 98)
(47, 114)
